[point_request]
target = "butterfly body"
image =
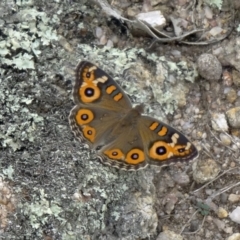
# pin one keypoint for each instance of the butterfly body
(123, 137)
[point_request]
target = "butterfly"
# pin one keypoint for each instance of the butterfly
(104, 118)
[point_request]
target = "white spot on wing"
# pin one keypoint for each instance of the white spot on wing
(93, 68)
(103, 79)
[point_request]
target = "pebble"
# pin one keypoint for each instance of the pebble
(217, 151)
(236, 77)
(233, 198)
(233, 116)
(235, 215)
(232, 164)
(181, 179)
(215, 31)
(153, 18)
(225, 139)
(205, 170)
(171, 199)
(109, 43)
(209, 67)
(235, 236)
(227, 78)
(222, 213)
(235, 132)
(219, 223)
(169, 235)
(219, 122)
(208, 12)
(103, 40)
(99, 32)
(231, 95)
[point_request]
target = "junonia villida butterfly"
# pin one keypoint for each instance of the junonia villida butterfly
(123, 137)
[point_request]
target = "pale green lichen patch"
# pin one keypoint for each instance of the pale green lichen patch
(41, 209)
(3, 48)
(22, 42)
(23, 3)
(8, 172)
(20, 124)
(37, 32)
(21, 61)
(217, 3)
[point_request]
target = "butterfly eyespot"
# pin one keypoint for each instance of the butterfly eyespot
(161, 150)
(89, 92)
(181, 150)
(135, 156)
(116, 154)
(88, 74)
(89, 133)
(84, 116)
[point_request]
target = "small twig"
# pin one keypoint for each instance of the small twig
(210, 198)
(207, 151)
(214, 179)
(219, 141)
(107, 8)
(209, 42)
(189, 221)
(144, 26)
